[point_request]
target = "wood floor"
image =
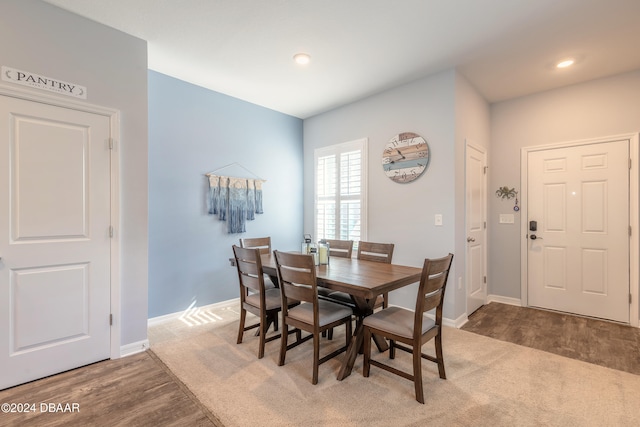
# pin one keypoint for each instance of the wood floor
(595, 341)
(138, 390)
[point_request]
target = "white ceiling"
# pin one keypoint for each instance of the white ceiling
(244, 48)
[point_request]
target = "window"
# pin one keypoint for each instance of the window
(340, 191)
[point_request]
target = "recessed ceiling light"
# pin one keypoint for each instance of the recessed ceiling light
(564, 64)
(302, 58)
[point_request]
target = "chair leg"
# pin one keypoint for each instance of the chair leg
(438, 342)
(367, 352)
(264, 325)
(417, 373)
(330, 334)
(316, 357)
(243, 315)
(275, 322)
(348, 333)
(283, 343)
(392, 349)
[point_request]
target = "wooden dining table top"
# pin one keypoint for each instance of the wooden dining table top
(363, 279)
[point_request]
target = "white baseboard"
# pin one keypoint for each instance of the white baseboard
(134, 348)
(161, 319)
(456, 323)
(504, 300)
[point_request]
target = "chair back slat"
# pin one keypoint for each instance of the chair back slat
(340, 248)
(432, 300)
(251, 282)
(261, 243)
(433, 283)
(377, 252)
(297, 276)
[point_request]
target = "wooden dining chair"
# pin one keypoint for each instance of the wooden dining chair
(377, 252)
(262, 302)
(264, 245)
(297, 278)
(340, 248)
(412, 328)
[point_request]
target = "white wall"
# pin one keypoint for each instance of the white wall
(600, 108)
(43, 39)
(399, 213)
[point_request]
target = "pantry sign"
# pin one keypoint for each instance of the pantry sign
(26, 78)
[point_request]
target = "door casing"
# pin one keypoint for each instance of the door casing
(634, 197)
(114, 124)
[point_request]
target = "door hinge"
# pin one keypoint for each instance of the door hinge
(629, 230)
(629, 163)
(110, 319)
(110, 143)
(484, 279)
(111, 231)
(484, 170)
(485, 225)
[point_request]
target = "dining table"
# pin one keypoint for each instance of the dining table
(364, 281)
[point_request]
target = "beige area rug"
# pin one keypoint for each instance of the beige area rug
(490, 383)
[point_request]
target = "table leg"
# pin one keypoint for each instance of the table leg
(352, 352)
(381, 343)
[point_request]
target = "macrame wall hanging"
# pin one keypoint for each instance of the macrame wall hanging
(235, 200)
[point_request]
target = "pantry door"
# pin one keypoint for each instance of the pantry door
(55, 209)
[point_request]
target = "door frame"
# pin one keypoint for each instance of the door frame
(634, 219)
(484, 151)
(114, 128)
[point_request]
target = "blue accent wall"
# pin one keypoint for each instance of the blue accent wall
(193, 131)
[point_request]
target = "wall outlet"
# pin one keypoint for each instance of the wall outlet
(438, 220)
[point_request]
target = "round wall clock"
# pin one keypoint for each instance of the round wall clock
(405, 157)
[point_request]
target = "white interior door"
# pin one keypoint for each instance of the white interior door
(476, 199)
(578, 254)
(54, 239)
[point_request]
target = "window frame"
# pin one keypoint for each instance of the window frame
(338, 149)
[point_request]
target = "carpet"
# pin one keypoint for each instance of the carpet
(489, 383)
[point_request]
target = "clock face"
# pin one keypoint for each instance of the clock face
(405, 157)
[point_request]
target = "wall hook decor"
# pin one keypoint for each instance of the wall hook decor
(508, 193)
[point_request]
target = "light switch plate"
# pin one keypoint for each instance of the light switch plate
(438, 219)
(506, 219)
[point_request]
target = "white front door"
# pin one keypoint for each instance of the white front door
(476, 196)
(578, 221)
(54, 239)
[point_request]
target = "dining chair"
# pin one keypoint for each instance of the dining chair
(377, 252)
(262, 302)
(340, 248)
(412, 328)
(264, 244)
(297, 278)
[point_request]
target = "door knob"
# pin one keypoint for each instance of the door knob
(470, 239)
(534, 237)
